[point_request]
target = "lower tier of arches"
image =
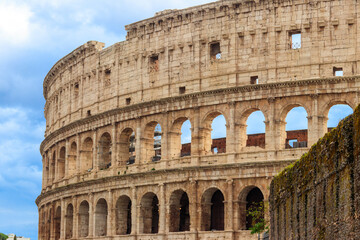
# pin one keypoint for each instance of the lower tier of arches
(206, 203)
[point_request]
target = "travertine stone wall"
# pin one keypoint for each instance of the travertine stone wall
(318, 196)
(228, 58)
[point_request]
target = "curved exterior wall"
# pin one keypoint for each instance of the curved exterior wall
(167, 72)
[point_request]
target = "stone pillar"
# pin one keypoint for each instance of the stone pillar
(67, 152)
(75, 218)
(138, 143)
(91, 215)
(270, 126)
(95, 152)
(62, 223)
(114, 156)
(195, 133)
(78, 144)
(193, 206)
(111, 214)
(165, 138)
(134, 215)
(229, 223)
(230, 130)
(162, 208)
(280, 134)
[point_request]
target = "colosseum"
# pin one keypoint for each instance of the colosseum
(114, 165)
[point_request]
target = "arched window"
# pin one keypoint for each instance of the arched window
(86, 155)
(101, 213)
(72, 159)
(61, 163)
(149, 214)
(255, 129)
(212, 211)
(57, 223)
(296, 128)
(127, 147)
(254, 200)
(218, 135)
(83, 219)
(69, 221)
(123, 215)
(152, 141)
(105, 151)
(180, 138)
(179, 212)
(337, 113)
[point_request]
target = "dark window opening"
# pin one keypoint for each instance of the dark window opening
(128, 101)
(155, 215)
(254, 80)
(217, 211)
(338, 72)
(215, 52)
(295, 39)
(154, 64)
(254, 200)
(88, 113)
(76, 89)
(184, 224)
(107, 71)
(182, 90)
(128, 222)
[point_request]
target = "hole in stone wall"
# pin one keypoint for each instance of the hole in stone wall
(338, 72)
(182, 90)
(295, 38)
(128, 101)
(254, 80)
(215, 52)
(154, 64)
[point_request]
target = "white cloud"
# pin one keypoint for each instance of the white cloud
(14, 23)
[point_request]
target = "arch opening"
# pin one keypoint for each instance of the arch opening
(337, 113)
(101, 213)
(180, 138)
(69, 221)
(83, 221)
(105, 151)
(254, 199)
(61, 163)
(57, 223)
(212, 210)
(52, 166)
(214, 133)
(127, 147)
(123, 216)
(86, 155)
(296, 128)
(179, 212)
(72, 159)
(152, 141)
(255, 129)
(149, 214)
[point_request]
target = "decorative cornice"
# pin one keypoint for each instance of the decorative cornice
(164, 101)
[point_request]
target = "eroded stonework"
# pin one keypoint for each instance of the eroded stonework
(109, 173)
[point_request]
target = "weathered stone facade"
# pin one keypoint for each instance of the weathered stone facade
(227, 58)
(319, 196)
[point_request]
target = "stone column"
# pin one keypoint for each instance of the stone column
(114, 156)
(67, 151)
(270, 126)
(165, 141)
(162, 208)
(78, 144)
(111, 214)
(193, 206)
(75, 218)
(91, 215)
(230, 129)
(229, 224)
(62, 223)
(95, 152)
(138, 143)
(134, 215)
(195, 133)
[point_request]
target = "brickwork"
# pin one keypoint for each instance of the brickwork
(114, 115)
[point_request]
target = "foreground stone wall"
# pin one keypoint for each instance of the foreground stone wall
(318, 197)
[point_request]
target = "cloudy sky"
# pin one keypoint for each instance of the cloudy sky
(34, 34)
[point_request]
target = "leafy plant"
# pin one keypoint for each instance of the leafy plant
(3, 236)
(259, 223)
